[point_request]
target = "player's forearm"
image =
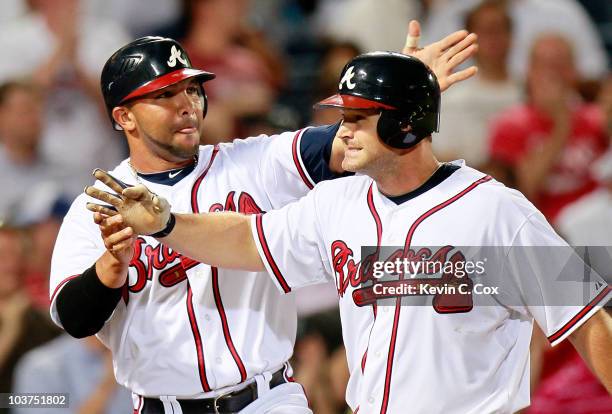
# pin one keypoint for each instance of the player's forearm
(111, 272)
(219, 239)
(593, 341)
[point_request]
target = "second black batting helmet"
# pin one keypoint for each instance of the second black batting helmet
(404, 89)
(143, 66)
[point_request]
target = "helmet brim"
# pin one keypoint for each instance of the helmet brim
(167, 80)
(351, 102)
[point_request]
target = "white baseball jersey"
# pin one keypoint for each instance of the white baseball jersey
(183, 328)
(431, 358)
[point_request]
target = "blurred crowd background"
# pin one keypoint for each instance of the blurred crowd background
(538, 117)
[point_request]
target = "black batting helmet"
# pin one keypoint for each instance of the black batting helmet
(404, 89)
(143, 66)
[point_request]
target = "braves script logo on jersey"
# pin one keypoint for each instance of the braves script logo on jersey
(246, 204)
(147, 258)
(368, 289)
(172, 266)
(348, 78)
(175, 55)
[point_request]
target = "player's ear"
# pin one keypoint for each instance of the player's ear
(124, 118)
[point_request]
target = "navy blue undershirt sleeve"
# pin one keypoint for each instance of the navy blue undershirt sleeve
(315, 149)
(85, 304)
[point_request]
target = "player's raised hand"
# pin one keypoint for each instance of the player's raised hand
(145, 212)
(117, 237)
(445, 55)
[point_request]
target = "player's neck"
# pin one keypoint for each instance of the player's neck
(409, 172)
(150, 165)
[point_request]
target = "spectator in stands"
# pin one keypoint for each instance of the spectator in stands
(31, 193)
(21, 326)
(469, 107)
(82, 369)
(218, 39)
(63, 52)
(532, 18)
(588, 222)
(319, 358)
(42, 215)
(551, 140)
(139, 17)
(21, 162)
(371, 25)
(336, 56)
(566, 383)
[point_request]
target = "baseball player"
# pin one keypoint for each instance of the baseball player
(446, 355)
(188, 337)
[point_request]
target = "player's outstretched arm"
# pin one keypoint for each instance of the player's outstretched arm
(593, 341)
(218, 239)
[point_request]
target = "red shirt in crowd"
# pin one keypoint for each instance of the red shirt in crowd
(519, 130)
(567, 386)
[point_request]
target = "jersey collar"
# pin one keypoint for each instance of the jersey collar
(441, 174)
(169, 177)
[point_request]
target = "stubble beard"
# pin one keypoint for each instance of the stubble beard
(176, 152)
(373, 166)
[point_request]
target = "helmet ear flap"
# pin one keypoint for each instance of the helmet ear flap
(389, 129)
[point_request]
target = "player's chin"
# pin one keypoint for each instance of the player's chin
(350, 165)
(184, 149)
(187, 138)
(353, 160)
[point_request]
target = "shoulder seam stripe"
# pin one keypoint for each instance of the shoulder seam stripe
(297, 160)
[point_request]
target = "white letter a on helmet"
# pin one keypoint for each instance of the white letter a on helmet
(348, 77)
(175, 55)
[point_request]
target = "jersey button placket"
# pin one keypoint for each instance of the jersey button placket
(387, 240)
